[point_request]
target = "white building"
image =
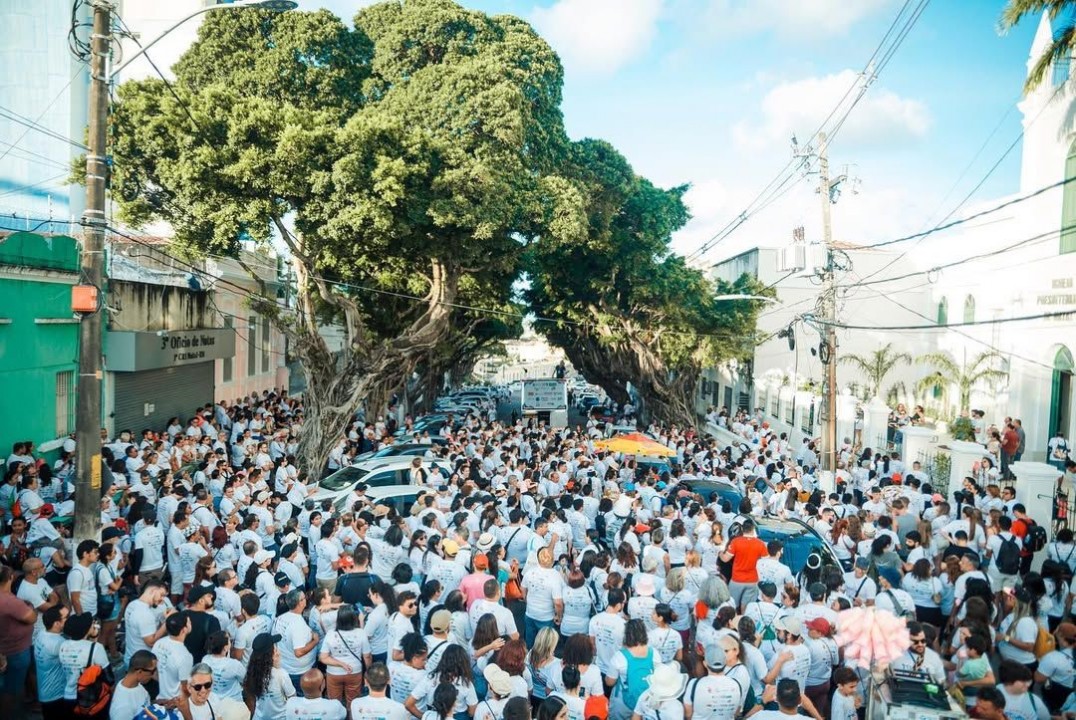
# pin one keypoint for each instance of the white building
(530, 356)
(1033, 273)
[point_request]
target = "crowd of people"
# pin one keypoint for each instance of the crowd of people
(541, 578)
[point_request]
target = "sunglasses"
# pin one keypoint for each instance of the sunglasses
(919, 641)
(202, 686)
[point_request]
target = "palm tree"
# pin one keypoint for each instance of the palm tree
(1064, 36)
(877, 365)
(964, 375)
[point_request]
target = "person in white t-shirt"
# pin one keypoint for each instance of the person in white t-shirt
(542, 592)
(312, 706)
(269, 683)
(298, 642)
(129, 695)
(376, 705)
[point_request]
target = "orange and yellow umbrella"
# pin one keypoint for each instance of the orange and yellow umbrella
(634, 444)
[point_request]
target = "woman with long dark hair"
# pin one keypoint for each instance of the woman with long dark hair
(454, 668)
(266, 687)
(926, 592)
(383, 598)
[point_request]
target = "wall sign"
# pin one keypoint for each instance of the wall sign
(134, 351)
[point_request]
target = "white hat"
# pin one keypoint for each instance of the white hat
(869, 530)
(261, 556)
(499, 680)
(645, 585)
(667, 682)
(485, 542)
(622, 506)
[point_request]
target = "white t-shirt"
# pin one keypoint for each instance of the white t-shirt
(127, 702)
(1027, 630)
(301, 708)
(294, 633)
(73, 656)
(349, 647)
(714, 697)
(543, 586)
(327, 554)
(378, 708)
(80, 580)
(423, 693)
(1057, 666)
(272, 704)
(142, 621)
(228, 674)
(246, 633)
(174, 663)
(404, 679)
(607, 629)
(1024, 706)
(150, 541)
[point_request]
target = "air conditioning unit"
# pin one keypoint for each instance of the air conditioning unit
(792, 258)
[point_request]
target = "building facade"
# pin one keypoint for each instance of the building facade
(38, 338)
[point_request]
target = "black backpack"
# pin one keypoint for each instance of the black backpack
(1035, 540)
(1008, 559)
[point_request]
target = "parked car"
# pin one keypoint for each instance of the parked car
(401, 497)
(601, 413)
(799, 539)
(724, 490)
(395, 450)
(377, 472)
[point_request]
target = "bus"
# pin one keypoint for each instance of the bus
(546, 400)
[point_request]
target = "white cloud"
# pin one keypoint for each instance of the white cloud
(598, 36)
(881, 116)
(799, 18)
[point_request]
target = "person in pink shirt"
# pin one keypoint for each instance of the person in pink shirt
(471, 586)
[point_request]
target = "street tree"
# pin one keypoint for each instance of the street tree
(876, 365)
(398, 162)
(613, 297)
(1064, 35)
(964, 376)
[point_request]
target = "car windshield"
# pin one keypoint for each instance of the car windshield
(343, 479)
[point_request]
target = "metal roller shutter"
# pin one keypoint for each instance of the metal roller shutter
(172, 391)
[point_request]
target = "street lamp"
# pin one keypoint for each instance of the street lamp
(92, 261)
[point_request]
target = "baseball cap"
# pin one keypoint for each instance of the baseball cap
(789, 623)
(820, 624)
(767, 589)
(441, 621)
(262, 556)
(346, 562)
(281, 579)
(264, 641)
(499, 680)
(863, 563)
(200, 591)
(47, 510)
(715, 656)
(481, 562)
(450, 547)
(596, 706)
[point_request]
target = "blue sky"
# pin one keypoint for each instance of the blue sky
(708, 92)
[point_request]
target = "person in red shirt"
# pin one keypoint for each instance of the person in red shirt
(745, 551)
(1010, 443)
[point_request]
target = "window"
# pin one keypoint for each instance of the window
(267, 345)
(65, 403)
(775, 401)
(969, 309)
(807, 419)
(1068, 205)
(943, 312)
(228, 366)
(790, 412)
(252, 346)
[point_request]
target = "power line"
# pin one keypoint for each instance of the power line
(978, 185)
(13, 116)
(982, 256)
(946, 326)
(863, 80)
(37, 121)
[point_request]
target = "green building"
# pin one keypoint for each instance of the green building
(38, 338)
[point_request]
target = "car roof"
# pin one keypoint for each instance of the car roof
(391, 462)
(393, 491)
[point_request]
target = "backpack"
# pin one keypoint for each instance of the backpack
(94, 689)
(1008, 559)
(1035, 540)
(768, 632)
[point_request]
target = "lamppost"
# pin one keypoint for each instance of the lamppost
(92, 264)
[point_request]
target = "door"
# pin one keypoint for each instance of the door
(147, 399)
(1061, 394)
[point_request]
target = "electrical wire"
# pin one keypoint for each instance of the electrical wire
(946, 326)
(37, 121)
(15, 117)
(863, 80)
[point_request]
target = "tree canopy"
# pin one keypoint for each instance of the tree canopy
(413, 165)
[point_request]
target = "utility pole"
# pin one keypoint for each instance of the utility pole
(829, 312)
(88, 407)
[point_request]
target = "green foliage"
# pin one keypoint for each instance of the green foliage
(1064, 36)
(877, 365)
(962, 429)
(965, 376)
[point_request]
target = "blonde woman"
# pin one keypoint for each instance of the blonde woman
(540, 663)
(694, 575)
(681, 600)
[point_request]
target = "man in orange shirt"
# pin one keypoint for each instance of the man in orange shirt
(744, 551)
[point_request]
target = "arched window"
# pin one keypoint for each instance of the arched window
(943, 312)
(969, 309)
(1068, 205)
